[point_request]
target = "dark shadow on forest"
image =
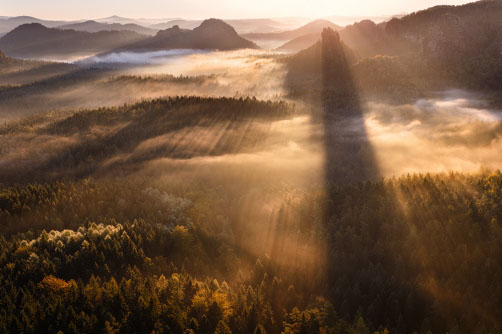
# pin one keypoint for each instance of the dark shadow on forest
(321, 76)
(379, 262)
(349, 154)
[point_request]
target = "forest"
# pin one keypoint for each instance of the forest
(352, 186)
(125, 255)
(124, 249)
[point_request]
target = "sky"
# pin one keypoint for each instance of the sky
(200, 9)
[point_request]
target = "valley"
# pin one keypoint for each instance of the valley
(260, 175)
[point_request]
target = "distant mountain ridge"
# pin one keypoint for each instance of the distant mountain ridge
(145, 25)
(212, 34)
(37, 41)
(300, 43)
(94, 26)
(9, 23)
(314, 27)
(183, 24)
(242, 26)
(141, 21)
(356, 35)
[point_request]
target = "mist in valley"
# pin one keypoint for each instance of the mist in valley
(448, 131)
(140, 76)
(350, 186)
(451, 131)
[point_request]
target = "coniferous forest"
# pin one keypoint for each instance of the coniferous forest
(252, 176)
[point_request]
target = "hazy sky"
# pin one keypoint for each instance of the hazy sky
(78, 9)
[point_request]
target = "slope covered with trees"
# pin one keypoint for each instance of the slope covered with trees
(162, 208)
(91, 256)
(212, 34)
(36, 41)
(437, 48)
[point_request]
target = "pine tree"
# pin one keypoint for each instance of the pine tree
(222, 328)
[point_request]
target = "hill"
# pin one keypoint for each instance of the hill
(307, 70)
(14, 71)
(36, 41)
(9, 23)
(145, 22)
(300, 43)
(364, 37)
(450, 34)
(94, 26)
(242, 26)
(456, 45)
(450, 31)
(138, 124)
(212, 34)
(314, 27)
(437, 48)
(309, 76)
(183, 24)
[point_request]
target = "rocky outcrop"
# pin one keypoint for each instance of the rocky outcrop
(444, 37)
(174, 30)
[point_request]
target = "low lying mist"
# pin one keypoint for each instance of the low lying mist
(107, 81)
(451, 131)
(140, 58)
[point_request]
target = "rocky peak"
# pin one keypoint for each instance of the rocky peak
(335, 68)
(331, 44)
(328, 35)
(215, 26)
(174, 30)
(31, 27)
(365, 25)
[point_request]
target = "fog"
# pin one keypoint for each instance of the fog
(263, 165)
(451, 131)
(138, 58)
(241, 68)
(99, 81)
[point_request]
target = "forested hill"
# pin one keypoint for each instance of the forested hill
(306, 72)
(435, 49)
(36, 41)
(212, 34)
(365, 36)
(134, 135)
(473, 15)
(453, 33)
(94, 26)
